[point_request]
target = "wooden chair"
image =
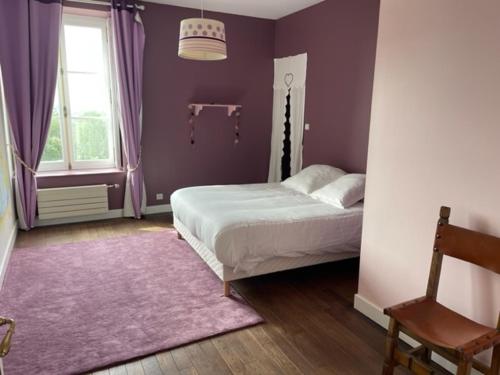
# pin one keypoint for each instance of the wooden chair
(436, 327)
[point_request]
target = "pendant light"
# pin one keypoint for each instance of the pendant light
(202, 39)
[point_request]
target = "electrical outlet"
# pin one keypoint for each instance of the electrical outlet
(307, 127)
(159, 196)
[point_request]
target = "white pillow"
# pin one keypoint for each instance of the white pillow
(343, 192)
(312, 178)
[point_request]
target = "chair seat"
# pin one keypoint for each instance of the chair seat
(439, 325)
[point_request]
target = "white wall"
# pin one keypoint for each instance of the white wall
(434, 140)
(8, 226)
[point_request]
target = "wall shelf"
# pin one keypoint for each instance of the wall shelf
(198, 107)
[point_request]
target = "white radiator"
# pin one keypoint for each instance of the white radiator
(56, 203)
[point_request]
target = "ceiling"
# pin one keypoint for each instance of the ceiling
(272, 9)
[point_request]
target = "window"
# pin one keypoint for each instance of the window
(82, 132)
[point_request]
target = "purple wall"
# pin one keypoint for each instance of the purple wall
(170, 83)
(340, 39)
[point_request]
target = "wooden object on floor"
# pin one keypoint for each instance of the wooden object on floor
(227, 289)
(436, 327)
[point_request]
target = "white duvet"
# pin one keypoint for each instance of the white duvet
(247, 224)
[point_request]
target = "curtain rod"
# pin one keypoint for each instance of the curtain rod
(104, 3)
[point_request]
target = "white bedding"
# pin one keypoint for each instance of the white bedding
(247, 224)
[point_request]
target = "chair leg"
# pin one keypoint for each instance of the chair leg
(390, 346)
(495, 361)
(464, 367)
(427, 355)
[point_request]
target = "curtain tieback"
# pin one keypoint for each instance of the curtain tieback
(20, 160)
(133, 169)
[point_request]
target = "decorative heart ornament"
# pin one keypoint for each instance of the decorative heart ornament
(288, 79)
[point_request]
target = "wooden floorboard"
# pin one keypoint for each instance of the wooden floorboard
(311, 326)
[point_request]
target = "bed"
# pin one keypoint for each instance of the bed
(247, 230)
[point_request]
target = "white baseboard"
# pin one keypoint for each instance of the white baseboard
(376, 314)
(111, 214)
(7, 252)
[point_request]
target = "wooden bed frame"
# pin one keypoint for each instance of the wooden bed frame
(276, 264)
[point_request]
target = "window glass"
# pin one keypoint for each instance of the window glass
(84, 49)
(54, 147)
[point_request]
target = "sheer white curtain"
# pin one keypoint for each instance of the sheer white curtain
(289, 77)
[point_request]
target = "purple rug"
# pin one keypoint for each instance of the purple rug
(87, 305)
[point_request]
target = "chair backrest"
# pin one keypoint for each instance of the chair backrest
(468, 245)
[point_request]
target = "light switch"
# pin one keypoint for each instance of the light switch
(307, 127)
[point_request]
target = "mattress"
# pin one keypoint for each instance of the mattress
(244, 225)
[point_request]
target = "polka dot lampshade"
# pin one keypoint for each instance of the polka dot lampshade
(202, 39)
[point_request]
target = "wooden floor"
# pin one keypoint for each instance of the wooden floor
(311, 326)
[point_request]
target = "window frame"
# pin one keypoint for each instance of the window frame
(69, 163)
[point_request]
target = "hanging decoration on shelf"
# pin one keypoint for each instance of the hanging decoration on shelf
(237, 129)
(191, 123)
(196, 108)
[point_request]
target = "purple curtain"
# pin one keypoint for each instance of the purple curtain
(29, 41)
(129, 39)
